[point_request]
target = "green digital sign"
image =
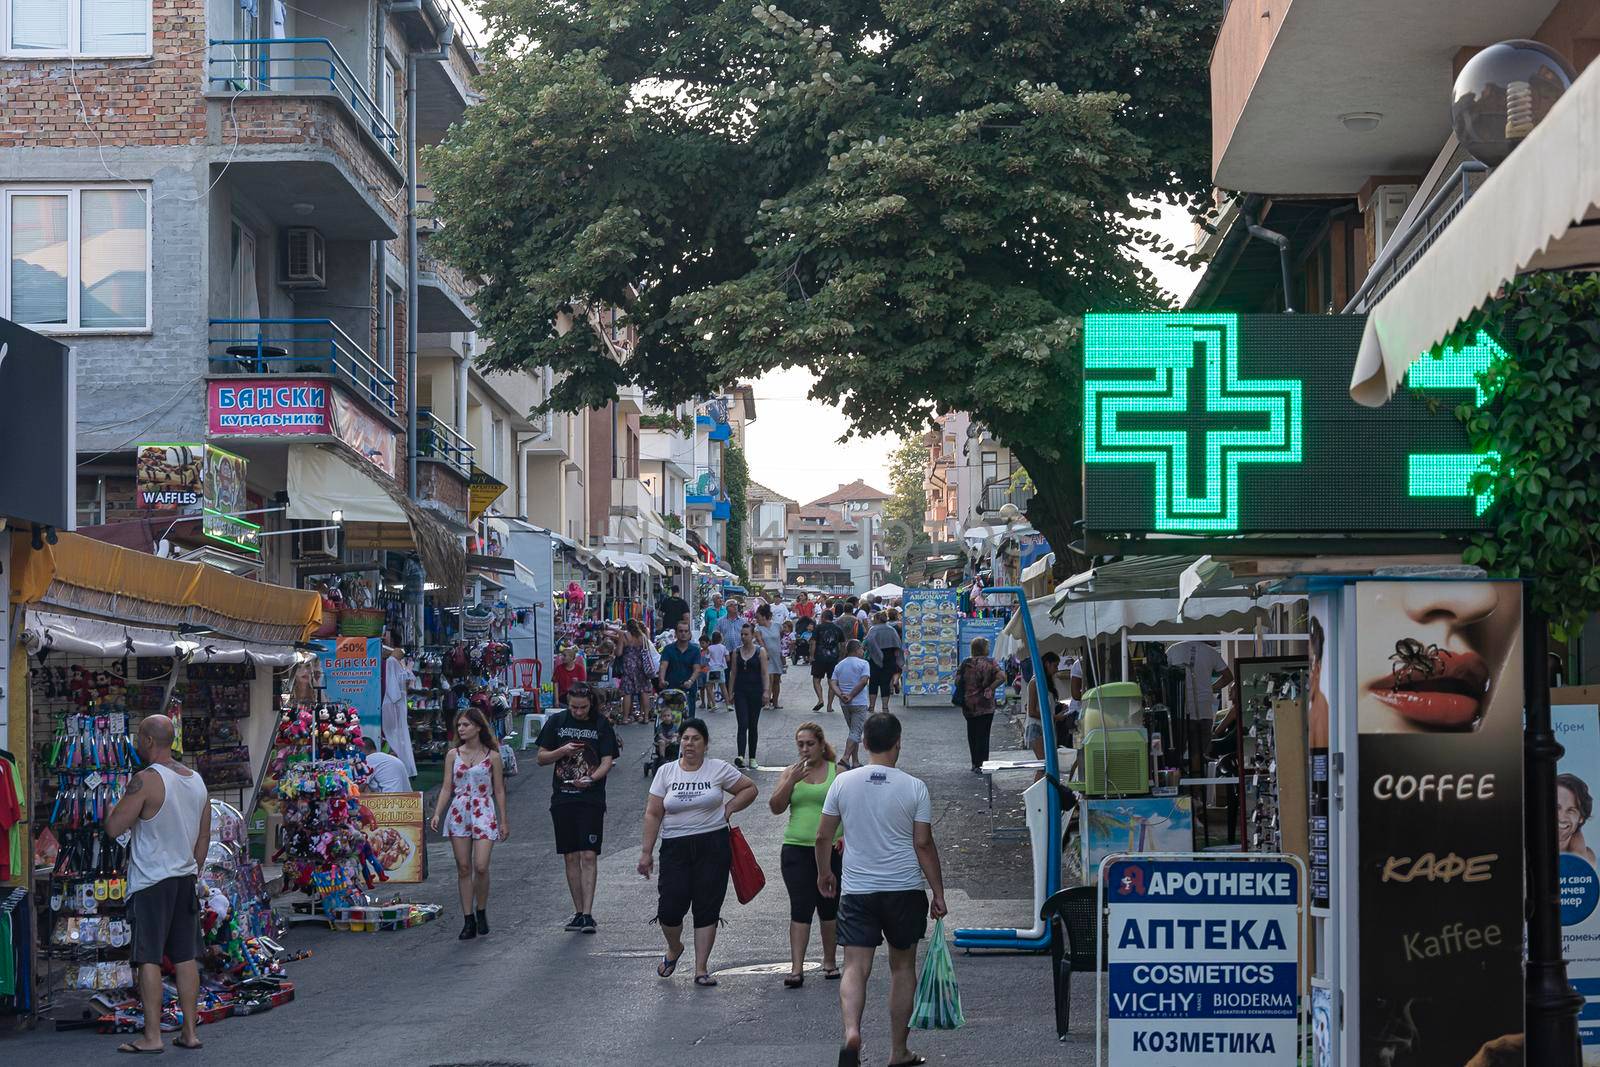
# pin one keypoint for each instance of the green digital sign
(1208, 424)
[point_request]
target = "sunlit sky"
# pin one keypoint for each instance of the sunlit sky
(792, 445)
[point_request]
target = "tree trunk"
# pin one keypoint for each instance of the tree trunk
(1057, 506)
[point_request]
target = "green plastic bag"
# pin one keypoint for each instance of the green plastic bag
(938, 1002)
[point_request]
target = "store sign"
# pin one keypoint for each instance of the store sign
(363, 432)
(397, 838)
(1203, 961)
(1206, 424)
(933, 623)
(1438, 706)
(268, 407)
(226, 499)
(483, 492)
(352, 673)
(168, 476)
(1577, 727)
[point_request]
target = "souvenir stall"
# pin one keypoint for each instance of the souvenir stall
(110, 636)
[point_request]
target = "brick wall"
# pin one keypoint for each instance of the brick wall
(152, 101)
(318, 120)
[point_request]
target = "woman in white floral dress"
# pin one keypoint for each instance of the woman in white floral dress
(476, 815)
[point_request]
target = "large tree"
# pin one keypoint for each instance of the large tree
(914, 198)
(906, 510)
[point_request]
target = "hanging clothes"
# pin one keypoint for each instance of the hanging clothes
(14, 860)
(398, 680)
(16, 959)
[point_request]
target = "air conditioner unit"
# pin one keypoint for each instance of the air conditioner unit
(1388, 206)
(305, 261)
(318, 543)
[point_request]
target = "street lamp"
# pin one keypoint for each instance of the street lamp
(1502, 93)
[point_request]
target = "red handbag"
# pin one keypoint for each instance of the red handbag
(748, 880)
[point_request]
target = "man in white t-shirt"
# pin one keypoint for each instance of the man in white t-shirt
(889, 851)
(1206, 675)
(780, 610)
(850, 683)
(388, 773)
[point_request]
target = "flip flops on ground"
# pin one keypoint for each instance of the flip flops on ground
(667, 965)
(130, 1047)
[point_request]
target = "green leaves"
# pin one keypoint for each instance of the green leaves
(1542, 425)
(915, 199)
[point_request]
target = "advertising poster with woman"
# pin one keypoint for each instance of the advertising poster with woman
(1439, 701)
(1577, 727)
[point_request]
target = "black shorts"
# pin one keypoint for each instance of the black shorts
(867, 920)
(579, 827)
(880, 682)
(166, 921)
(823, 668)
(694, 873)
(799, 864)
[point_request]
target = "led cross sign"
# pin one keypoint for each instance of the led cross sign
(1205, 424)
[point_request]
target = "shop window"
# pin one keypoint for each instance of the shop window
(77, 258)
(76, 27)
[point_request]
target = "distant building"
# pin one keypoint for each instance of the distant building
(829, 551)
(864, 505)
(768, 517)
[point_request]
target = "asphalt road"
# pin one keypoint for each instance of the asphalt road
(532, 994)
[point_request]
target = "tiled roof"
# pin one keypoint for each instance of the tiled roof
(856, 490)
(833, 520)
(757, 491)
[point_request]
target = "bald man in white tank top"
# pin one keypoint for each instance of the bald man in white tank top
(167, 813)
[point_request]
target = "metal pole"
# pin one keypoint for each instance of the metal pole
(411, 275)
(1552, 1006)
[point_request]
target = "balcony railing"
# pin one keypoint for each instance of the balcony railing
(997, 495)
(704, 488)
(1408, 246)
(298, 346)
(438, 440)
(295, 65)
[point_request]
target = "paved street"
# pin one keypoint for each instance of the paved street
(534, 994)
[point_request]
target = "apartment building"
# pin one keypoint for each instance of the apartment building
(212, 204)
(769, 515)
(968, 478)
(864, 505)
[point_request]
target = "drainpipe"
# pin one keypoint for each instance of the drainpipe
(461, 391)
(380, 248)
(1274, 238)
(445, 38)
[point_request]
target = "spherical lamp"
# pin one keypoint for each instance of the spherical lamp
(1503, 93)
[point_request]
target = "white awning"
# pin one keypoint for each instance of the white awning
(1085, 620)
(321, 483)
(71, 635)
(1539, 210)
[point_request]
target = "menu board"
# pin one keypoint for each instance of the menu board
(933, 624)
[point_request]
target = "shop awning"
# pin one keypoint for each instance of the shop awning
(1539, 210)
(637, 562)
(1056, 626)
(77, 636)
(1131, 578)
(376, 514)
(92, 578)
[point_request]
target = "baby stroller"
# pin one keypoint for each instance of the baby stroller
(671, 704)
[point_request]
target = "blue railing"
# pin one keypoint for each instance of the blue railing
(704, 489)
(298, 346)
(295, 64)
(438, 440)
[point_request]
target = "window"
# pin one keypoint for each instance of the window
(991, 466)
(76, 27)
(388, 98)
(77, 259)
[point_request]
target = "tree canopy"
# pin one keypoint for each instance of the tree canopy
(913, 199)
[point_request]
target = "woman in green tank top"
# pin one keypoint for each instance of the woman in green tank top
(801, 791)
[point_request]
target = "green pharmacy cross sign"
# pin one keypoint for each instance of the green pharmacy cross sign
(1205, 424)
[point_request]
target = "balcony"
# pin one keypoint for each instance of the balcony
(704, 490)
(443, 295)
(302, 130)
(629, 497)
(1405, 248)
(267, 347)
(438, 441)
(1282, 74)
(444, 89)
(998, 494)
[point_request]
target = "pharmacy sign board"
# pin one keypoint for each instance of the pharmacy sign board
(1203, 960)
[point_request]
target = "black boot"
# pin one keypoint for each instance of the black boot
(483, 922)
(469, 930)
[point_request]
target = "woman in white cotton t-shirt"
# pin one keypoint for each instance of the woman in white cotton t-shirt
(691, 802)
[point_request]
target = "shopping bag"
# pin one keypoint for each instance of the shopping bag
(748, 880)
(938, 1002)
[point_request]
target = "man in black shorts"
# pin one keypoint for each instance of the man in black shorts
(889, 852)
(827, 643)
(583, 746)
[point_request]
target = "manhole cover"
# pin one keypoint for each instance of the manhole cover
(768, 968)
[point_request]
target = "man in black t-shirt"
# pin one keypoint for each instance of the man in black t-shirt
(583, 746)
(827, 641)
(670, 609)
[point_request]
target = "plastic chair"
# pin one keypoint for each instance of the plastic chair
(1070, 915)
